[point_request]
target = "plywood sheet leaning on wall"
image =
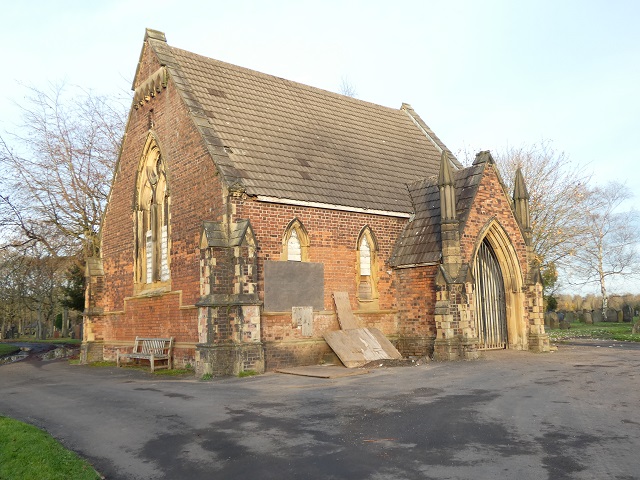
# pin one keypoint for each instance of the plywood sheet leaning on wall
(358, 346)
(343, 310)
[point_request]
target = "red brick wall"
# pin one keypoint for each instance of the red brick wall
(195, 195)
(490, 202)
(416, 309)
(333, 236)
(417, 300)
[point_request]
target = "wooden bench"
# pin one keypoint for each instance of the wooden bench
(152, 349)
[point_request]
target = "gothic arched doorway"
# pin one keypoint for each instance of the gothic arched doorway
(491, 315)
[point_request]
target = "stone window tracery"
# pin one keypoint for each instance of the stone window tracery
(152, 218)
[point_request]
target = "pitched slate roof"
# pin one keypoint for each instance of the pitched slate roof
(272, 137)
(420, 241)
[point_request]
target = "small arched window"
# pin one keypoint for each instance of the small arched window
(152, 218)
(295, 243)
(365, 257)
(367, 267)
(294, 251)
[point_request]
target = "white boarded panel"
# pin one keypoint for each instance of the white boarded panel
(303, 317)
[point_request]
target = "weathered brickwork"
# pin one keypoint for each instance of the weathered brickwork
(333, 236)
(416, 310)
(491, 202)
(302, 352)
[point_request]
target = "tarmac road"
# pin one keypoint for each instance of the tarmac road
(568, 414)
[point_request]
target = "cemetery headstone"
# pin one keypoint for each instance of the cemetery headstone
(588, 318)
(612, 315)
(597, 316)
(547, 317)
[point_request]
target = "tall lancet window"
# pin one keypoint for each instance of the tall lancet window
(152, 218)
(366, 266)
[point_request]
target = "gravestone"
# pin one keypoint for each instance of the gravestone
(588, 318)
(636, 328)
(620, 316)
(597, 316)
(570, 317)
(552, 318)
(564, 325)
(627, 314)
(547, 316)
(612, 315)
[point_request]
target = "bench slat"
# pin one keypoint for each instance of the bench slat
(145, 348)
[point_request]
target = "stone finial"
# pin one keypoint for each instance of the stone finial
(155, 35)
(447, 190)
(446, 176)
(483, 157)
(521, 201)
(520, 188)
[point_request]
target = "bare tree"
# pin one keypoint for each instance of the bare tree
(55, 174)
(557, 189)
(347, 88)
(30, 286)
(57, 169)
(609, 246)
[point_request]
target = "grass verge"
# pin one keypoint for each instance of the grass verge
(102, 363)
(7, 349)
(27, 453)
(598, 331)
(174, 372)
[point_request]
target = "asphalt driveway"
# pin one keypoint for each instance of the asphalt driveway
(568, 414)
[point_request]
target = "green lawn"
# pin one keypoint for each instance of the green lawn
(7, 348)
(598, 331)
(28, 453)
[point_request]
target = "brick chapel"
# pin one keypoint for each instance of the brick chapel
(239, 196)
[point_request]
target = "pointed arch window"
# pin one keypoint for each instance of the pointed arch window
(367, 285)
(294, 251)
(152, 243)
(295, 243)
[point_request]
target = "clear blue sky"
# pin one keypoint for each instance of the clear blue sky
(482, 74)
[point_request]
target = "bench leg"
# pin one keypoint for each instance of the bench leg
(151, 359)
(118, 359)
